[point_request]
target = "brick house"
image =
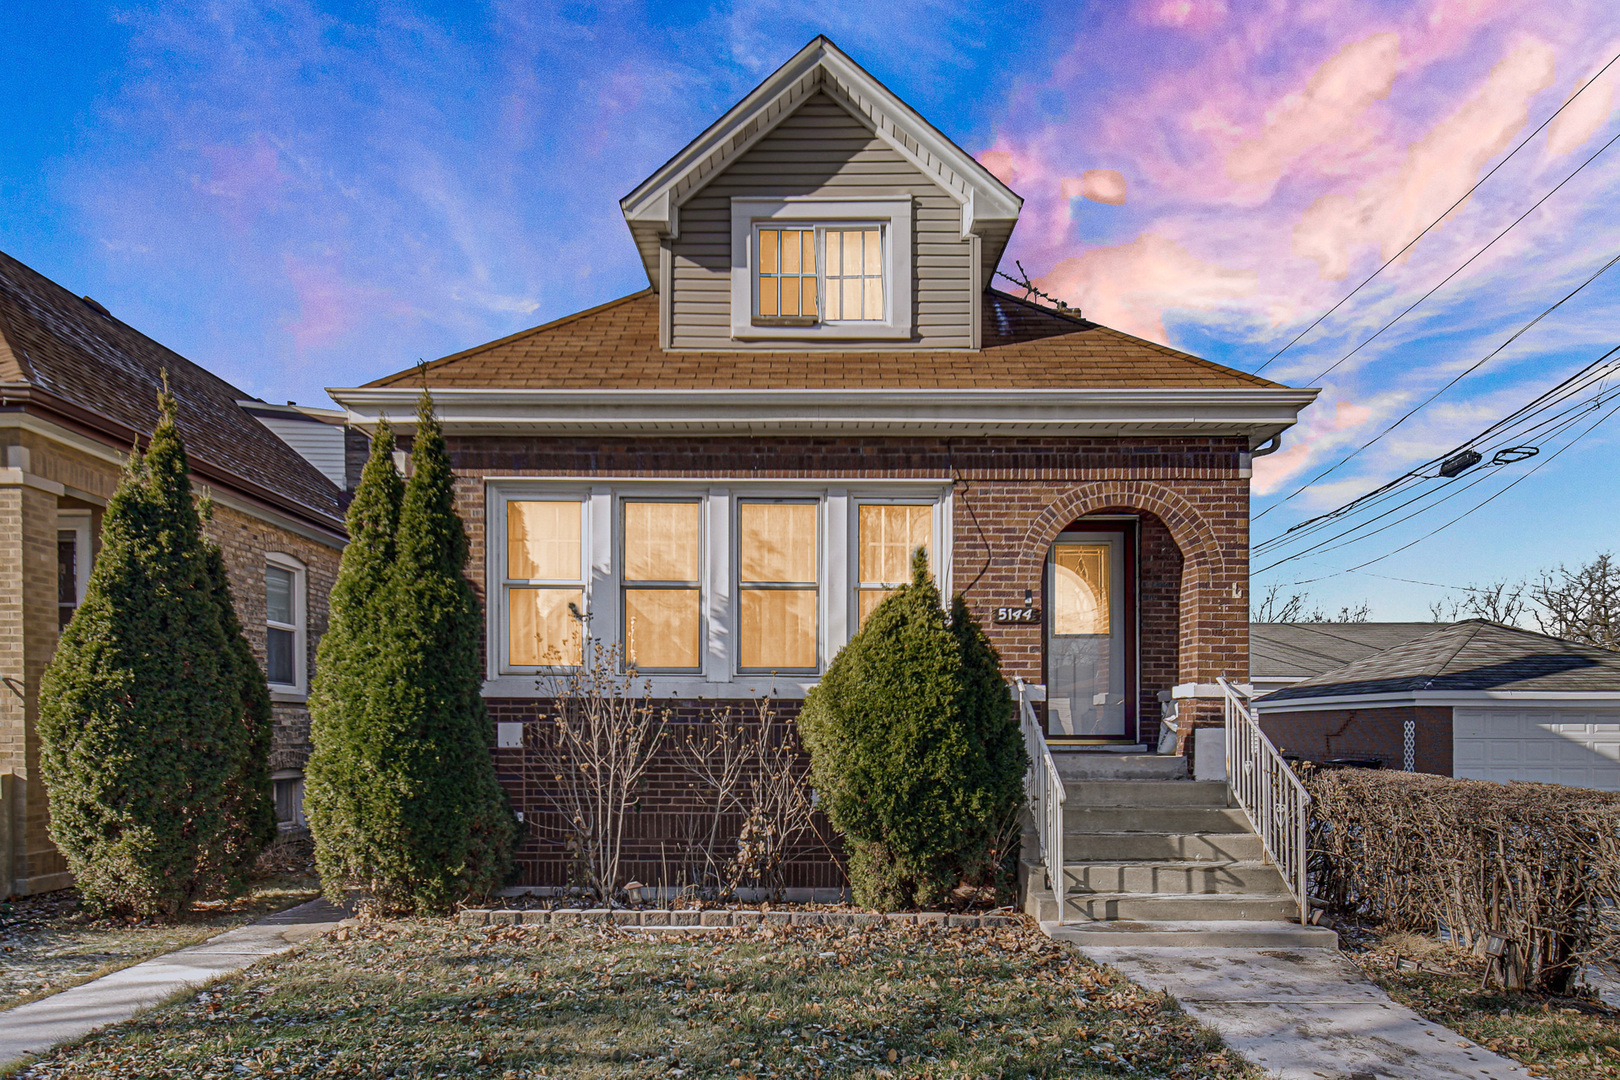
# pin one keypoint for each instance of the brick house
(728, 470)
(77, 389)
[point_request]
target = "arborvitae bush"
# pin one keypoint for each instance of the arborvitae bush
(147, 730)
(408, 807)
(914, 747)
(339, 776)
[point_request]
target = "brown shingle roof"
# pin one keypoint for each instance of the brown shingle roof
(86, 362)
(615, 347)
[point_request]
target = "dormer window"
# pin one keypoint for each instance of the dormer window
(809, 268)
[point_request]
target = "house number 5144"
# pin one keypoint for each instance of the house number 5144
(1018, 615)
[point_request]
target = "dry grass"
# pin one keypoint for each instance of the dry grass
(420, 998)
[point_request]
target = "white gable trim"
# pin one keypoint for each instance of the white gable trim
(821, 65)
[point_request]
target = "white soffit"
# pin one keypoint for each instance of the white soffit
(1259, 412)
(820, 65)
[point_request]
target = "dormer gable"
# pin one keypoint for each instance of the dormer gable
(821, 212)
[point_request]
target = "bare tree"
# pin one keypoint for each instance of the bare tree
(1499, 602)
(592, 750)
(1274, 607)
(1582, 604)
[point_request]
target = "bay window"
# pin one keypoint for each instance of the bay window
(700, 584)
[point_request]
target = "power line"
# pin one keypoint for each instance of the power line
(1439, 219)
(1454, 381)
(1534, 207)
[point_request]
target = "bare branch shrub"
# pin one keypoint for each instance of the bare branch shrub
(1498, 601)
(1275, 607)
(1538, 863)
(752, 774)
(592, 750)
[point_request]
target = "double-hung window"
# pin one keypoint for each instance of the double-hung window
(284, 623)
(821, 268)
(662, 614)
(778, 585)
(544, 582)
(888, 535)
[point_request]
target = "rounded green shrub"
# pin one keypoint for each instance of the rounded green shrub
(914, 747)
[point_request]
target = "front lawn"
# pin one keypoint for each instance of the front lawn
(427, 998)
(1567, 1038)
(49, 943)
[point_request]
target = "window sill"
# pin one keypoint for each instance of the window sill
(822, 332)
(288, 696)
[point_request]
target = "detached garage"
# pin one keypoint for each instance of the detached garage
(1473, 699)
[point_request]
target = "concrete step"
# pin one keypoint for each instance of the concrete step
(1093, 765)
(1174, 878)
(1139, 907)
(1152, 819)
(1145, 793)
(1209, 935)
(1162, 847)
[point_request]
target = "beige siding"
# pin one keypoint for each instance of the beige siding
(820, 149)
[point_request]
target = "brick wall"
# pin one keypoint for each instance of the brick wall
(1012, 498)
(1333, 733)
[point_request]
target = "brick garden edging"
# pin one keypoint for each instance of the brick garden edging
(718, 918)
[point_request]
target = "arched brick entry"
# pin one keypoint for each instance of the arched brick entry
(1214, 637)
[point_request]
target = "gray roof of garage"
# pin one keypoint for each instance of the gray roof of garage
(1469, 655)
(1299, 650)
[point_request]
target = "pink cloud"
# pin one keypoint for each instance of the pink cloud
(1182, 14)
(243, 180)
(1583, 115)
(1317, 432)
(1129, 287)
(330, 307)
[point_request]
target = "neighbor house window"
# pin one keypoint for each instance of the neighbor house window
(662, 557)
(778, 585)
(289, 795)
(544, 582)
(72, 562)
(284, 617)
(888, 535)
(817, 267)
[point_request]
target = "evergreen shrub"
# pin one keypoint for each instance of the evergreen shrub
(407, 806)
(154, 741)
(914, 746)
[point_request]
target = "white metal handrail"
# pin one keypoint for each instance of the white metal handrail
(1272, 797)
(1044, 788)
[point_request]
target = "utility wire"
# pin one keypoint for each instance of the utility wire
(1438, 220)
(1534, 207)
(1521, 331)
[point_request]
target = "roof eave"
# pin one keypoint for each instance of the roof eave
(1257, 412)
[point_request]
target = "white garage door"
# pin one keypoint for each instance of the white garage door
(1555, 746)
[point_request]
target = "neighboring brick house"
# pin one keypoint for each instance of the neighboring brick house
(78, 388)
(727, 470)
(1472, 699)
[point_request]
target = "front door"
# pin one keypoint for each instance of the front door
(1088, 637)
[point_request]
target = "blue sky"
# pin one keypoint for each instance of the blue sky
(301, 195)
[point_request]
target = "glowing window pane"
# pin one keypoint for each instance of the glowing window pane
(777, 628)
(868, 601)
(663, 628)
(889, 535)
(768, 241)
(541, 631)
(543, 540)
(776, 542)
(1080, 589)
(663, 541)
(854, 290)
(786, 279)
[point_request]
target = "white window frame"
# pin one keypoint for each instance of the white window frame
(721, 675)
(76, 522)
(891, 214)
(500, 585)
(819, 500)
(677, 495)
(298, 689)
(937, 538)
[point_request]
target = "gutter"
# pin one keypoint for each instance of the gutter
(1462, 698)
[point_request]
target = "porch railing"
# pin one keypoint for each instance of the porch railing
(1044, 788)
(1275, 802)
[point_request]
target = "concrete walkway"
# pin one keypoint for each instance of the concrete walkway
(1305, 1014)
(39, 1025)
